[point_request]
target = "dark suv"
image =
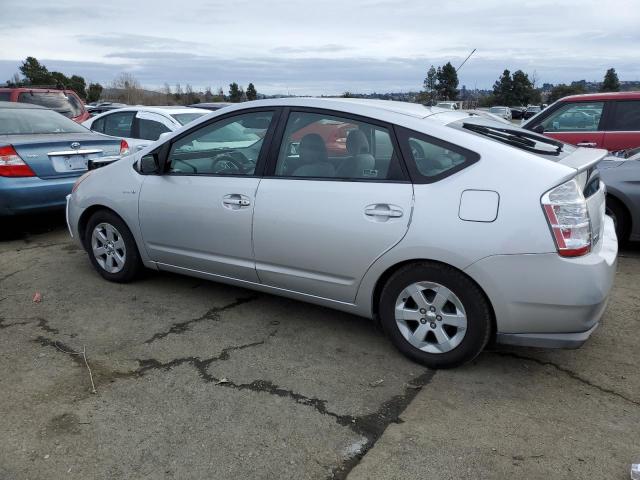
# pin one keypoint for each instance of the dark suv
(65, 102)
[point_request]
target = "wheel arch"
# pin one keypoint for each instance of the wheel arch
(384, 277)
(615, 198)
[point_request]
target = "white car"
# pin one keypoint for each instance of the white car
(141, 126)
(504, 112)
(449, 229)
(448, 105)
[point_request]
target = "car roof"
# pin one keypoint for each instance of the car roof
(361, 106)
(20, 105)
(603, 96)
(168, 110)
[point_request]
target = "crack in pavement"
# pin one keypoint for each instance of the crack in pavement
(569, 373)
(5, 277)
(211, 314)
(41, 323)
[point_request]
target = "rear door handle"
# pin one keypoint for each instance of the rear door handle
(587, 144)
(234, 201)
(383, 210)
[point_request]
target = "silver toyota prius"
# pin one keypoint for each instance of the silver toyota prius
(448, 228)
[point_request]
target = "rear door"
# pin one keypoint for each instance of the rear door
(578, 123)
(623, 125)
(197, 215)
(324, 214)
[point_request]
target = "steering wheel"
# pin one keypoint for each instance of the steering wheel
(226, 163)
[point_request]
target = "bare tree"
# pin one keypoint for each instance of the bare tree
(128, 87)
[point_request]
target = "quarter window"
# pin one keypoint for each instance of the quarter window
(317, 145)
(627, 116)
(574, 117)
(118, 124)
(98, 125)
(226, 147)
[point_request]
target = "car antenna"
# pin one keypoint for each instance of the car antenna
(465, 60)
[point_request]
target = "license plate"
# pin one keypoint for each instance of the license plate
(76, 162)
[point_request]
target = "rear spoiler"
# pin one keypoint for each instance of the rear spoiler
(584, 158)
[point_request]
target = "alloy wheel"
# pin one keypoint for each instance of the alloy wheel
(108, 247)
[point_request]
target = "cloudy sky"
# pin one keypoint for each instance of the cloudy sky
(323, 46)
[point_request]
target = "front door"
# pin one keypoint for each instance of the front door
(198, 214)
(337, 200)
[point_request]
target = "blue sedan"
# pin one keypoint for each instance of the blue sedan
(42, 153)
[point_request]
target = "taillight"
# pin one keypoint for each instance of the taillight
(11, 165)
(124, 148)
(568, 216)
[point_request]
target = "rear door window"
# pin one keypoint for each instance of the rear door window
(626, 116)
(58, 101)
(150, 129)
(98, 125)
(575, 117)
(119, 124)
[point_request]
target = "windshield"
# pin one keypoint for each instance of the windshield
(184, 118)
(58, 101)
(497, 109)
(23, 121)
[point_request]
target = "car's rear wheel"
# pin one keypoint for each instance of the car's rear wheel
(435, 314)
(111, 247)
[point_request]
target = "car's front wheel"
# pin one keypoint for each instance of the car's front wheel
(435, 314)
(111, 247)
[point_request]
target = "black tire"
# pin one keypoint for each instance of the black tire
(620, 215)
(478, 313)
(132, 263)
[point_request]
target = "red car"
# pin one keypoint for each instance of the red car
(65, 102)
(334, 134)
(600, 120)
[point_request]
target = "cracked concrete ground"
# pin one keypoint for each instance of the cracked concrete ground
(200, 380)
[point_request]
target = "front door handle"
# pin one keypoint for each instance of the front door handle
(587, 144)
(234, 201)
(383, 211)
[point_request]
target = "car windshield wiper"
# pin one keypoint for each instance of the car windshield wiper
(517, 138)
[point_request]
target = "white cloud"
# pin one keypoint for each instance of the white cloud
(323, 47)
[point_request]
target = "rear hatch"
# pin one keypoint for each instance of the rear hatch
(63, 154)
(582, 160)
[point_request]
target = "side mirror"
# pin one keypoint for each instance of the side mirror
(538, 129)
(149, 164)
(164, 135)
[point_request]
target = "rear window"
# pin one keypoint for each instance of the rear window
(22, 121)
(5, 96)
(184, 118)
(515, 137)
(67, 105)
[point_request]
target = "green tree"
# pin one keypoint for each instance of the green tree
(34, 72)
(59, 79)
(94, 92)
(235, 94)
(447, 85)
(563, 90)
(523, 92)
(430, 84)
(611, 82)
(78, 85)
(252, 93)
(503, 89)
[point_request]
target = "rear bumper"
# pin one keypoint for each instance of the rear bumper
(33, 194)
(545, 300)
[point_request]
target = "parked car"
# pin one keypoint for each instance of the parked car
(601, 120)
(517, 113)
(504, 112)
(141, 126)
(42, 153)
(531, 111)
(212, 106)
(448, 105)
(488, 114)
(102, 107)
(65, 102)
(449, 229)
(621, 175)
